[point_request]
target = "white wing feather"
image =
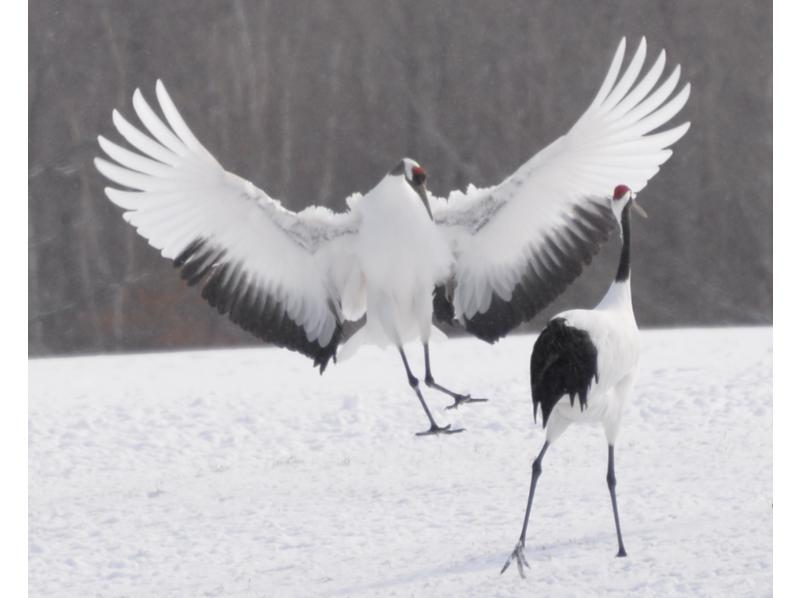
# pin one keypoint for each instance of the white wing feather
(498, 232)
(179, 194)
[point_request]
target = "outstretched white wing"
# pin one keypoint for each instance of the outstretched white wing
(277, 273)
(519, 244)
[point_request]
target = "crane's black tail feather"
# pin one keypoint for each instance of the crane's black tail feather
(563, 362)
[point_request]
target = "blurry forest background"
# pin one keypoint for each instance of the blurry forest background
(314, 100)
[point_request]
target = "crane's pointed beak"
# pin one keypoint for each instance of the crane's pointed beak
(638, 208)
(423, 195)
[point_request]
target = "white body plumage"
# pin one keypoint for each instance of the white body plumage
(612, 328)
(401, 256)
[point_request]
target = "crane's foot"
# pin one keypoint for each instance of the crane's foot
(622, 553)
(459, 399)
(440, 430)
(519, 556)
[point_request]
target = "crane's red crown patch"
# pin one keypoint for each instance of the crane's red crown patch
(620, 191)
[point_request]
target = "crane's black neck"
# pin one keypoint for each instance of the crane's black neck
(624, 270)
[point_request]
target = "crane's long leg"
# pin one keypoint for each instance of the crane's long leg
(413, 382)
(431, 383)
(612, 488)
(519, 550)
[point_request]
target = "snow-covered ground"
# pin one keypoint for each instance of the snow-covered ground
(244, 473)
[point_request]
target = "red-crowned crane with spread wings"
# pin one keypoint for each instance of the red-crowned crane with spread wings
(398, 259)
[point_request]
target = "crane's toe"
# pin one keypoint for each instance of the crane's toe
(459, 399)
(434, 429)
(517, 555)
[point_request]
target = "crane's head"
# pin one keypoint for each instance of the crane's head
(622, 193)
(621, 198)
(415, 176)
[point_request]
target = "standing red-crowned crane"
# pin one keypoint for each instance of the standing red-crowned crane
(489, 258)
(591, 354)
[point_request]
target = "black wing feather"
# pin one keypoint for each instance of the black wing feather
(226, 286)
(550, 270)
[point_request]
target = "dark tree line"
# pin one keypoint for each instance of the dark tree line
(314, 100)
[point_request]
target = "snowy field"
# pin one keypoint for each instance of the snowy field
(244, 473)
